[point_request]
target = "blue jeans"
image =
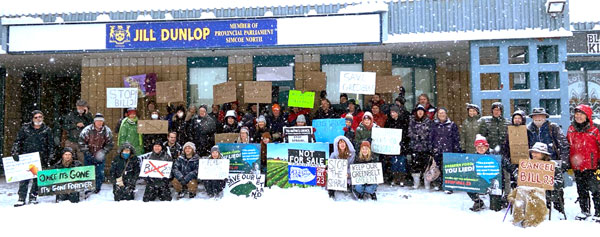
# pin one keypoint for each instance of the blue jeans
(365, 188)
(99, 169)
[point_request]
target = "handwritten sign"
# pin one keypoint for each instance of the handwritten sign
(26, 168)
(226, 137)
(169, 91)
(366, 173)
(67, 180)
(302, 100)
(224, 92)
(536, 173)
(121, 97)
(519, 145)
(357, 82)
(386, 141)
(257, 92)
(337, 174)
(213, 169)
(156, 169)
(248, 185)
(300, 134)
(153, 126)
(328, 129)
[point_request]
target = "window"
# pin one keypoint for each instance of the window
(552, 106)
(547, 53)
(333, 80)
(519, 80)
(490, 81)
(488, 55)
(520, 104)
(407, 74)
(418, 77)
(202, 80)
(548, 80)
(518, 55)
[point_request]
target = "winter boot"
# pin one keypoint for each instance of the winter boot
(374, 197)
(19, 203)
(477, 206)
(33, 199)
(427, 185)
(582, 216)
(401, 179)
(495, 202)
(192, 195)
(448, 191)
(331, 194)
(416, 180)
(180, 195)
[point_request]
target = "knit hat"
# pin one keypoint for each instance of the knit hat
(365, 143)
(540, 147)
(99, 117)
(395, 108)
(68, 149)
(352, 101)
(230, 113)
(475, 107)
(131, 111)
(245, 129)
(497, 105)
(349, 117)
(480, 140)
(520, 113)
(261, 119)
(82, 103)
(190, 144)
(214, 148)
(276, 107)
(368, 115)
(420, 107)
(301, 119)
(36, 112)
(442, 108)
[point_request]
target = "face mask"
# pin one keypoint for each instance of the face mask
(38, 123)
(155, 116)
(126, 155)
(538, 123)
(180, 114)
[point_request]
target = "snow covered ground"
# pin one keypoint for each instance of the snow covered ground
(287, 212)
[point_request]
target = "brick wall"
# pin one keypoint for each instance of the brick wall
(380, 63)
(453, 89)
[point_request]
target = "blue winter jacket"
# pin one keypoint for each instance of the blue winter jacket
(445, 137)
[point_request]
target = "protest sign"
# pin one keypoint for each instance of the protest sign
(300, 134)
(224, 92)
(226, 137)
(357, 83)
(243, 158)
(388, 84)
(153, 126)
(536, 173)
(302, 175)
(326, 130)
(121, 97)
(386, 141)
(26, 168)
(144, 83)
(301, 100)
(337, 174)
(366, 173)
(304, 155)
(156, 169)
(169, 91)
(249, 185)
(257, 92)
(472, 173)
(213, 169)
(519, 145)
(67, 180)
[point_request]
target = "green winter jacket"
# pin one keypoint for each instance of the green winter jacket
(494, 130)
(468, 130)
(363, 134)
(128, 133)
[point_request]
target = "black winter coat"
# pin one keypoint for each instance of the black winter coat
(202, 131)
(31, 140)
(401, 123)
(179, 126)
(185, 170)
(276, 126)
(325, 114)
(128, 168)
(70, 122)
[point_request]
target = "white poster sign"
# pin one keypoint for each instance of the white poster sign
(26, 168)
(248, 185)
(386, 141)
(121, 97)
(213, 169)
(156, 169)
(366, 173)
(299, 134)
(357, 83)
(337, 174)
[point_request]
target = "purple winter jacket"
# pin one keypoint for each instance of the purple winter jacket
(445, 137)
(419, 132)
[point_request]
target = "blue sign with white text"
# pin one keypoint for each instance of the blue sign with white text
(302, 175)
(192, 34)
(328, 129)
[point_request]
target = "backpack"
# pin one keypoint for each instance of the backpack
(432, 172)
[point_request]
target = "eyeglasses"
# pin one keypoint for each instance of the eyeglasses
(38, 117)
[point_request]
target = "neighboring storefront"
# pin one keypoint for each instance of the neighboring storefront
(584, 69)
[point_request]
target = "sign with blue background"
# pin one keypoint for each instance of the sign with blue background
(328, 129)
(472, 173)
(192, 34)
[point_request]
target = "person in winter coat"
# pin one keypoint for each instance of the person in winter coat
(128, 132)
(74, 123)
(191, 113)
(95, 141)
(214, 188)
(419, 133)
(265, 139)
(295, 112)
(379, 117)
(124, 172)
(444, 138)
(276, 122)
(470, 128)
(426, 103)
(231, 124)
(218, 116)
(342, 107)
(68, 161)
(301, 122)
(172, 146)
(482, 147)
(158, 187)
(539, 151)
(399, 119)
(510, 181)
(185, 172)
(325, 111)
(202, 131)
(179, 125)
(584, 137)
(343, 149)
(365, 129)
(376, 100)
(495, 128)
(349, 132)
(260, 128)
(33, 137)
(365, 156)
(148, 139)
(356, 113)
(244, 137)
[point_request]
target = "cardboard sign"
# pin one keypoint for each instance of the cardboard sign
(357, 83)
(248, 185)
(519, 145)
(121, 97)
(328, 129)
(153, 127)
(337, 174)
(302, 100)
(536, 173)
(156, 169)
(366, 173)
(243, 158)
(145, 84)
(169, 91)
(388, 84)
(213, 169)
(226, 137)
(315, 81)
(67, 180)
(257, 92)
(224, 92)
(26, 168)
(277, 163)
(386, 141)
(300, 134)
(472, 173)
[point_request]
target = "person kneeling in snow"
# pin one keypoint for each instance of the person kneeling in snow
(214, 187)
(365, 156)
(68, 161)
(343, 149)
(124, 172)
(185, 171)
(158, 187)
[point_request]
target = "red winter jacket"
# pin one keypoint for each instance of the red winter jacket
(584, 154)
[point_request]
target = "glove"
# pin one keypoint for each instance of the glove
(16, 158)
(120, 182)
